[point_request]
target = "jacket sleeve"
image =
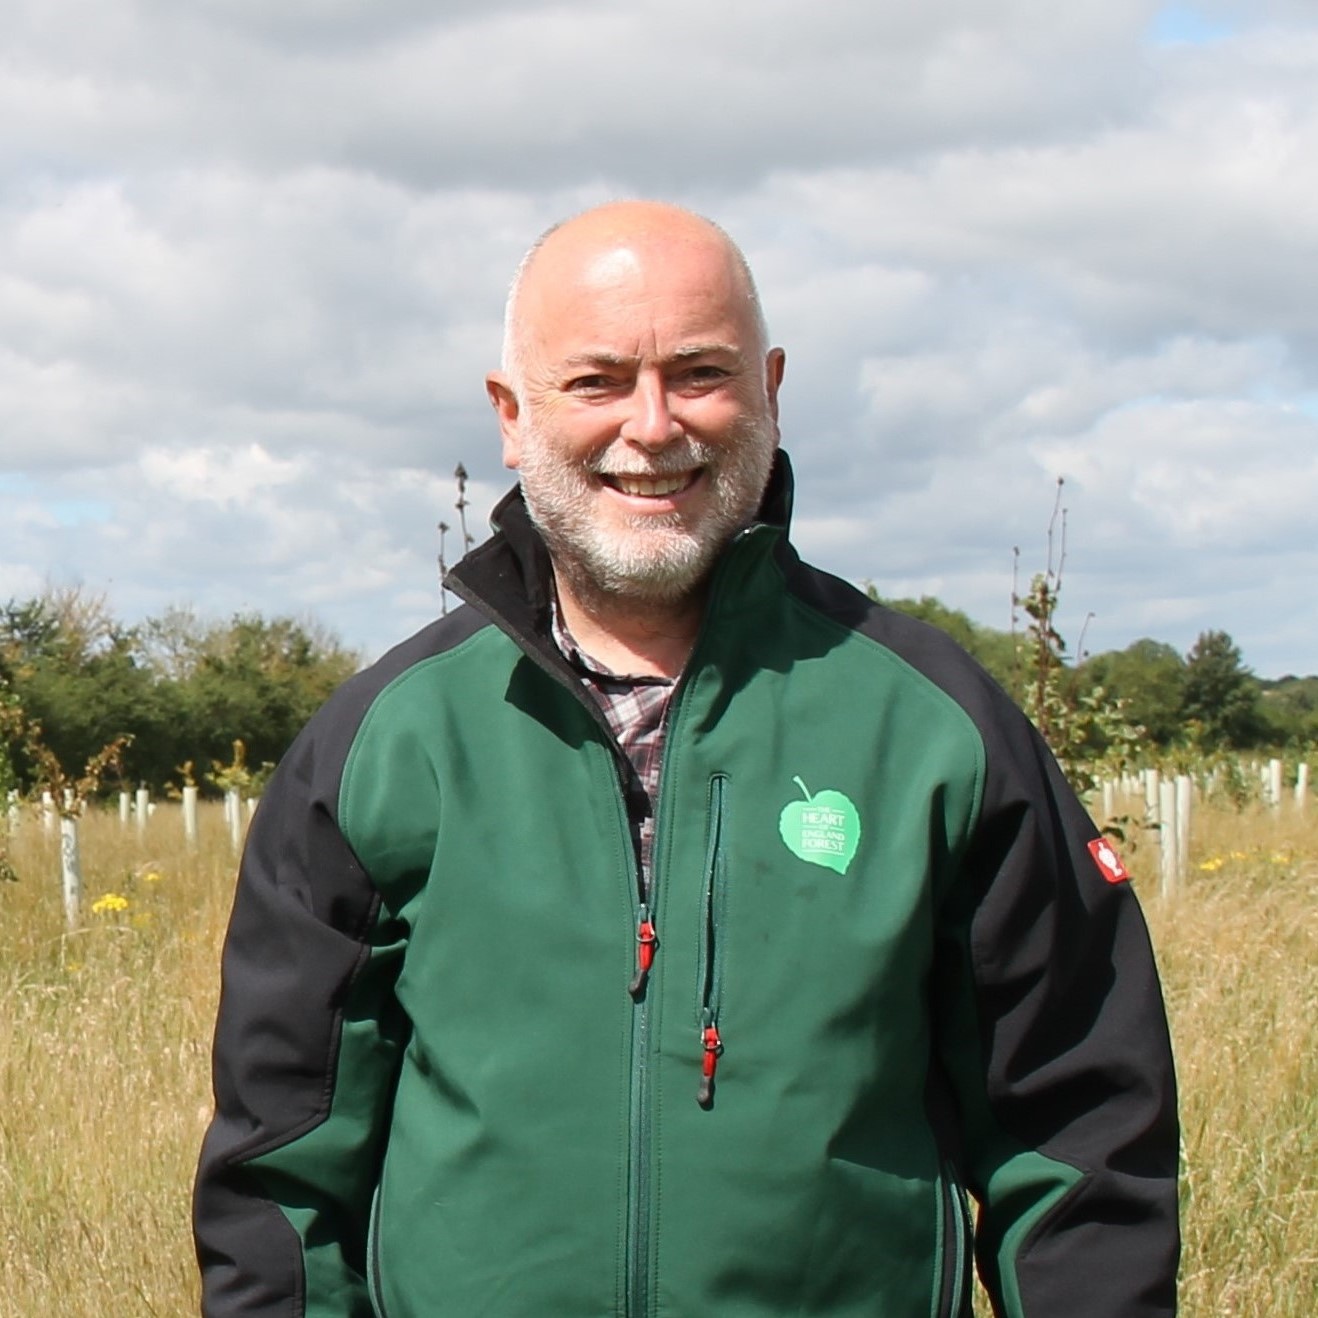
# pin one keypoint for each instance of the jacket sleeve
(1052, 1031)
(306, 1050)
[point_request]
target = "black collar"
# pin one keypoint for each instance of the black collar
(510, 576)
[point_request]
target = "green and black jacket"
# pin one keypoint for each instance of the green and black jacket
(886, 973)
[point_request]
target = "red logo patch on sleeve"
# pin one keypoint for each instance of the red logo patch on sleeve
(1109, 863)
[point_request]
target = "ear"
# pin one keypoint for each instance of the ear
(774, 365)
(503, 398)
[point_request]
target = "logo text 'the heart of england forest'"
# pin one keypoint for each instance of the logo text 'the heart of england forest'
(824, 829)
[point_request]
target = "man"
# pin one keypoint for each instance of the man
(673, 931)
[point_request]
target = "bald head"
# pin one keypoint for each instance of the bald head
(606, 243)
(638, 403)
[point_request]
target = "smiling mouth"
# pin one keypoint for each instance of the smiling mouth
(651, 487)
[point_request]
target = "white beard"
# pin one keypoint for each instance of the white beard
(647, 559)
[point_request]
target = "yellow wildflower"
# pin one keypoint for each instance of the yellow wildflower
(152, 876)
(1212, 864)
(111, 902)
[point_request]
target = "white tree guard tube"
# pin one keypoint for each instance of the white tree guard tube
(70, 868)
(233, 816)
(190, 816)
(1167, 836)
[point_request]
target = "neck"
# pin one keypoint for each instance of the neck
(630, 637)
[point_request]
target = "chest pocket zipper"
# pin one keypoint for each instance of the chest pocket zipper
(956, 1247)
(374, 1286)
(713, 936)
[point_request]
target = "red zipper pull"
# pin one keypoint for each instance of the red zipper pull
(645, 945)
(713, 1046)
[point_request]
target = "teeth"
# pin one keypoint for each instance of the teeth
(651, 488)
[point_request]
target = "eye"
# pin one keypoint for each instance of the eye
(585, 384)
(703, 375)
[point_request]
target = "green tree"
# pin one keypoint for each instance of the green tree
(1220, 695)
(1149, 676)
(1290, 711)
(12, 724)
(257, 681)
(29, 630)
(174, 689)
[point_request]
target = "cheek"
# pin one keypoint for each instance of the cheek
(721, 415)
(574, 433)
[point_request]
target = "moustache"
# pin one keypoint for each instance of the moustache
(672, 461)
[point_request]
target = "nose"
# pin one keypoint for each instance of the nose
(650, 421)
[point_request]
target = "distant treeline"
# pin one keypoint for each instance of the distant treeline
(1205, 700)
(185, 688)
(182, 687)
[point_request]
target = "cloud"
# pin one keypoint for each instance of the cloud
(548, 93)
(253, 258)
(1103, 229)
(232, 531)
(1222, 477)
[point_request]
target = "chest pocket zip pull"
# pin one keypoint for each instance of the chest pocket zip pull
(713, 1046)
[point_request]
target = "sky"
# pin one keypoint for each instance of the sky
(253, 259)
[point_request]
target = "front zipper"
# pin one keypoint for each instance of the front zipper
(956, 1253)
(638, 1233)
(638, 1176)
(710, 985)
(647, 948)
(638, 1180)
(541, 651)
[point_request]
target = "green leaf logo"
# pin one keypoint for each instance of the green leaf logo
(824, 829)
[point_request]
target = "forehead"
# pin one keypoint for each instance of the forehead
(637, 297)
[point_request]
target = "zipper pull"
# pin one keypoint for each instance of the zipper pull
(713, 1046)
(645, 945)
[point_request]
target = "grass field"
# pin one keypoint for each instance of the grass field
(104, 1086)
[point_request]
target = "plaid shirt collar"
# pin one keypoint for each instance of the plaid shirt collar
(590, 667)
(636, 708)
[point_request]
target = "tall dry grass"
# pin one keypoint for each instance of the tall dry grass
(1238, 949)
(104, 1073)
(104, 1083)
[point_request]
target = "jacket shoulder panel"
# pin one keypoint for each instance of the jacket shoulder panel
(304, 951)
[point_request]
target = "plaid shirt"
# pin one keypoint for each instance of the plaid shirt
(636, 707)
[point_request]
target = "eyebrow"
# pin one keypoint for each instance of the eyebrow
(715, 349)
(686, 352)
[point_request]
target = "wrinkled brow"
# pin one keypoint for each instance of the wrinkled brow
(686, 352)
